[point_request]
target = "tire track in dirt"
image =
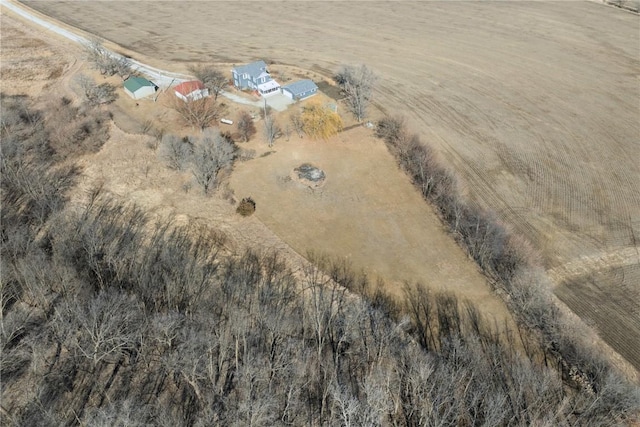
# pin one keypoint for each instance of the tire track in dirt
(590, 264)
(552, 187)
(603, 290)
(548, 181)
(619, 331)
(473, 174)
(474, 177)
(607, 299)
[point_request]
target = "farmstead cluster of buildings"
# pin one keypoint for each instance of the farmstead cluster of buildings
(256, 77)
(253, 77)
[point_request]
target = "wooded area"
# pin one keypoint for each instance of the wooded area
(110, 317)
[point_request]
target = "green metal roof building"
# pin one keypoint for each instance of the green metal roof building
(139, 87)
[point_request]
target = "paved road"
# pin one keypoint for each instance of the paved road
(162, 78)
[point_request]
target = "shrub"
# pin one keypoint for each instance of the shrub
(319, 122)
(246, 127)
(246, 207)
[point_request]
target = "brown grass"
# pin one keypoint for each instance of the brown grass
(28, 62)
(534, 104)
(367, 211)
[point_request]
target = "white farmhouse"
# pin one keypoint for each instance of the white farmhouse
(191, 91)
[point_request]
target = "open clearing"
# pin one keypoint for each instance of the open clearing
(534, 104)
(367, 212)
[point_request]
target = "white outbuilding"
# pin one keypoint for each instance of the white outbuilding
(191, 91)
(300, 90)
(139, 87)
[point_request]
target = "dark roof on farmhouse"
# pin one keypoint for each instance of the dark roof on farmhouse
(135, 83)
(253, 69)
(300, 87)
(186, 88)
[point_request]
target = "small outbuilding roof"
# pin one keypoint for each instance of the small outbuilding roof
(301, 87)
(185, 88)
(254, 69)
(135, 83)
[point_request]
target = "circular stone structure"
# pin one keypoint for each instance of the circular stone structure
(309, 175)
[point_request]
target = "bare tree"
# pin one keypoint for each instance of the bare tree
(347, 408)
(287, 131)
(199, 113)
(94, 93)
(357, 83)
(392, 129)
(255, 406)
(122, 66)
(246, 127)
(213, 79)
(211, 154)
(106, 327)
(175, 151)
(107, 62)
(297, 123)
(272, 130)
(380, 400)
(96, 53)
(121, 413)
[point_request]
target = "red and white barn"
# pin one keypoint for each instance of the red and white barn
(191, 91)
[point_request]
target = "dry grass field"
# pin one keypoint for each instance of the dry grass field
(534, 104)
(365, 212)
(29, 63)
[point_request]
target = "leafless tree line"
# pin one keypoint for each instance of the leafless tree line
(499, 253)
(110, 317)
(62, 130)
(506, 258)
(108, 63)
(241, 341)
